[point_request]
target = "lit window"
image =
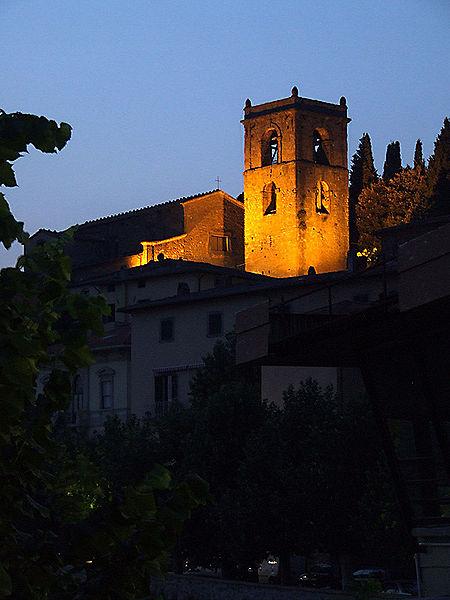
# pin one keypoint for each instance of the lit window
(220, 243)
(166, 330)
(270, 199)
(166, 391)
(270, 148)
(214, 324)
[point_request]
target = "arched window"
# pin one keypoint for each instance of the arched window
(321, 147)
(270, 151)
(270, 199)
(323, 198)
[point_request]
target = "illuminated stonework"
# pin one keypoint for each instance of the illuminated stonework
(295, 186)
(213, 233)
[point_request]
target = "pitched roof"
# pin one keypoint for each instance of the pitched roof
(266, 284)
(151, 207)
(169, 267)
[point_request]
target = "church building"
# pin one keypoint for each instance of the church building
(176, 274)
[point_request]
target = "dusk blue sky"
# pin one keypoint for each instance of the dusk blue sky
(154, 90)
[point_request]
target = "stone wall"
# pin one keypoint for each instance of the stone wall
(217, 214)
(309, 226)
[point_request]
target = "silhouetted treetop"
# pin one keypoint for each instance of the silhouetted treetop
(393, 162)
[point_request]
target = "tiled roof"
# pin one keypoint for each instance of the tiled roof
(263, 286)
(135, 211)
(171, 267)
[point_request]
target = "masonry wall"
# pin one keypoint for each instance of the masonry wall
(272, 241)
(216, 213)
(299, 234)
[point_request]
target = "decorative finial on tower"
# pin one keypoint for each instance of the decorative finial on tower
(294, 91)
(343, 101)
(248, 103)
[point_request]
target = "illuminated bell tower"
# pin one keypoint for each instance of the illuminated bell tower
(295, 186)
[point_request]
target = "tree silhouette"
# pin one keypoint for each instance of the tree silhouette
(419, 163)
(393, 162)
(439, 172)
(362, 175)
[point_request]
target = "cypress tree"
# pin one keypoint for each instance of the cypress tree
(439, 172)
(393, 162)
(362, 175)
(419, 163)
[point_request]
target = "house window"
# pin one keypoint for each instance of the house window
(166, 330)
(215, 324)
(106, 391)
(78, 394)
(270, 148)
(111, 317)
(106, 377)
(166, 391)
(220, 243)
(321, 147)
(270, 199)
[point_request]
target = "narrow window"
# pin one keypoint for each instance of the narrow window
(166, 391)
(166, 330)
(220, 243)
(106, 388)
(273, 142)
(323, 198)
(321, 147)
(270, 148)
(78, 394)
(215, 325)
(270, 199)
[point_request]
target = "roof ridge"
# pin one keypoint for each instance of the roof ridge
(149, 207)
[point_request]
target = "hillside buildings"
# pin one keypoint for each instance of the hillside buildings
(176, 274)
(274, 267)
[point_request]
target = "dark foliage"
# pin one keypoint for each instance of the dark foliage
(362, 175)
(439, 172)
(67, 532)
(419, 163)
(393, 162)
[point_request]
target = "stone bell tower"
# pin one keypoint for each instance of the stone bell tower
(295, 186)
